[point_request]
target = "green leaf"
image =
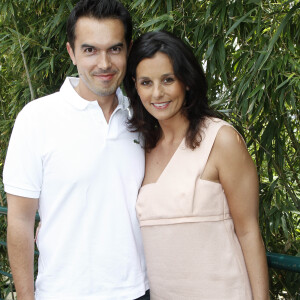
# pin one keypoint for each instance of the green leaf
(257, 2)
(256, 90)
(286, 81)
(268, 135)
(136, 4)
(284, 227)
(278, 32)
(239, 21)
(169, 5)
(211, 44)
(165, 17)
(207, 13)
(52, 63)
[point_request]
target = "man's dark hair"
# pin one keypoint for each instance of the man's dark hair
(99, 9)
(186, 69)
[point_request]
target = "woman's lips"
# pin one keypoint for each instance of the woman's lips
(161, 105)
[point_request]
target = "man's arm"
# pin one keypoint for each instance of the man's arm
(20, 242)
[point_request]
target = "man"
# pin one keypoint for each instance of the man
(71, 157)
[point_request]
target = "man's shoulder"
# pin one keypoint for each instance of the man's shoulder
(42, 104)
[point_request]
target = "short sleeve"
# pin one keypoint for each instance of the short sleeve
(22, 174)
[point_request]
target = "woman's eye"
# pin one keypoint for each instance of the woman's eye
(145, 82)
(169, 80)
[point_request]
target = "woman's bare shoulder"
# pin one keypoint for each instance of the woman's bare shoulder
(229, 147)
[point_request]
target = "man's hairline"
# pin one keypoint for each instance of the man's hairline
(99, 19)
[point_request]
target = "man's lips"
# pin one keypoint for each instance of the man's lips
(105, 76)
(161, 105)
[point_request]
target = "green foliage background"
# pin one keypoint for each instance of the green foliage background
(250, 51)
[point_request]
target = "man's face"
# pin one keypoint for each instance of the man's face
(100, 54)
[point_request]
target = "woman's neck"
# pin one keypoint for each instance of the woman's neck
(173, 131)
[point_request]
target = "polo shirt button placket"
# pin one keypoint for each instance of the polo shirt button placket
(101, 121)
(97, 118)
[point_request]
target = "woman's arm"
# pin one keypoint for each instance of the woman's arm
(238, 176)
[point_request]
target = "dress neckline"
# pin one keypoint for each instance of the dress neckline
(167, 165)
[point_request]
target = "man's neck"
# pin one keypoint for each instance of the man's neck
(107, 103)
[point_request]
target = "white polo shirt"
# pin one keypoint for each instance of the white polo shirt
(86, 174)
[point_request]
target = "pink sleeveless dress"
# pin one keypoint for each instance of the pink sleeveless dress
(192, 251)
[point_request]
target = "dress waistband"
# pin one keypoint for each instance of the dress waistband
(192, 219)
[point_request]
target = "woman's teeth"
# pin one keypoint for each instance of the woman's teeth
(160, 105)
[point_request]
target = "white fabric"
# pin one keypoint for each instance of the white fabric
(86, 174)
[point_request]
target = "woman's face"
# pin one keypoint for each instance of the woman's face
(161, 92)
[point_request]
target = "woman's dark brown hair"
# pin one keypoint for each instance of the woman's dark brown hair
(186, 69)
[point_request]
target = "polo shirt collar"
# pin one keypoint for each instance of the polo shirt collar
(78, 102)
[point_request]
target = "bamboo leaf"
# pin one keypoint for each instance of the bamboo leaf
(277, 33)
(169, 5)
(286, 81)
(207, 13)
(284, 226)
(256, 90)
(136, 4)
(161, 18)
(238, 22)
(211, 44)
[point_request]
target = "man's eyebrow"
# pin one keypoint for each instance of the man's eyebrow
(87, 46)
(117, 45)
(113, 46)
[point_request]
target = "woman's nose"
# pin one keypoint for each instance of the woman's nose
(158, 91)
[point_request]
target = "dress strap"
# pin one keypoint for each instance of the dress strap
(209, 132)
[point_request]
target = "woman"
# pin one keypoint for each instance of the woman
(198, 205)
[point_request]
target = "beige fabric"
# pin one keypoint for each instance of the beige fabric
(192, 251)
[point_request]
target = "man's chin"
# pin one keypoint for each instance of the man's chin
(105, 92)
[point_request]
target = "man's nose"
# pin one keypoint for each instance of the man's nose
(104, 61)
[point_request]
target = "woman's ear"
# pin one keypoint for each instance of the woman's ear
(135, 85)
(134, 81)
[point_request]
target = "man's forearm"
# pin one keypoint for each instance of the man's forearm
(20, 242)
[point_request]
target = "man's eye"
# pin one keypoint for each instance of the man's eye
(116, 49)
(89, 50)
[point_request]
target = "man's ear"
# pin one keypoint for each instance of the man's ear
(71, 53)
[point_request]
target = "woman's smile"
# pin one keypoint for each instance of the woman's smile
(160, 91)
(161, 105)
